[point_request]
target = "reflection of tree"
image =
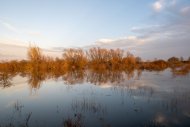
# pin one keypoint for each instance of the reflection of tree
(96, 77)
(139, 73)
(35, 79)
(36, 75)
(73, 77)
(129, 73)
(5, 80)
(100, 77)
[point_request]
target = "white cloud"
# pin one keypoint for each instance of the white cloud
(104, 41)
(129, 43)
(158, 5)
(132, 38)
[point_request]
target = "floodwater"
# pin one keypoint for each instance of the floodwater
(110, 99)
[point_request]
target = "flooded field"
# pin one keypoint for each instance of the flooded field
(105, 99)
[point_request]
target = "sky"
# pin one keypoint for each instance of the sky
(147, 28)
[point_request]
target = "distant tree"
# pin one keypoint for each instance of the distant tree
(138, 60)
(189, 59)
(129, 60)
(173, 60)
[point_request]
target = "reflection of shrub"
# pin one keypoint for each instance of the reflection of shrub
(73, 77)
(5, 80)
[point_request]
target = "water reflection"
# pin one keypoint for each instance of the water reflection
(78, 77)
(75, 121)
(105, 98)
(17, 118)
(99, 78)
(5, 79)
(74, 77)
(35, 78)
(86, 105)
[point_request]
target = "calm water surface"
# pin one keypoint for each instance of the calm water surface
(136, 99)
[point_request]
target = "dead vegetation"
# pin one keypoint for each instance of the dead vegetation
(94, 59)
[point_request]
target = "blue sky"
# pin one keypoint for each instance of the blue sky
(141, 26)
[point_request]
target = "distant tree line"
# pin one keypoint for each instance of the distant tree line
(97, 59)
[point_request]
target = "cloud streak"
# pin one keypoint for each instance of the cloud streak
(127, 42)
(9, 26)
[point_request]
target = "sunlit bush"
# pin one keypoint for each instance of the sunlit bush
(74, 58)
(34, 54)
